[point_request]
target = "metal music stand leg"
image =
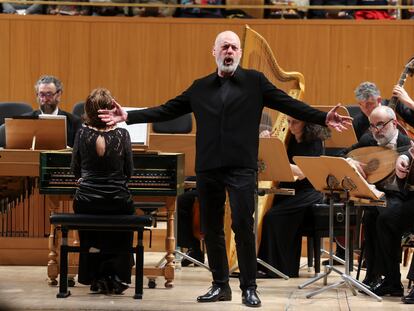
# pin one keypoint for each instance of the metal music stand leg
(256, 220)
(346, 277)
(328, 268)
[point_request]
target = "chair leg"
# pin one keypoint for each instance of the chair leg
(310, 250)
(360, 259)
(317, 253)
(139, 266)
(63, 277)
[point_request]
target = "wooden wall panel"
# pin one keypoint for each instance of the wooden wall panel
(147, 61)
(5, 60)
(131, 60)
(367, 53)
(52, 47)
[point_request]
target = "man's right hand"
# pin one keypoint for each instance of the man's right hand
(113, 116)
(402, 166)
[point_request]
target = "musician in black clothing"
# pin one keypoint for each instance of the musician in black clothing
(383, 132)
(369, 97)
(283, 223)
(48, 93)
(391, 224)
(227, 106)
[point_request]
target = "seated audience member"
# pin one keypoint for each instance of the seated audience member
(48, 94)
(68, 9)
(107, 10)
(332, 14)
(287, 13)
(375, 13)
(383, 132)
(282, 224)
(22, 9)
(198, 12)
(151, 11)
(409, 13)
(102, 163)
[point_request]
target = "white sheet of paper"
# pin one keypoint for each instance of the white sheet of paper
(138, 132)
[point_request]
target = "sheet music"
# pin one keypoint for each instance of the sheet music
(138, 132)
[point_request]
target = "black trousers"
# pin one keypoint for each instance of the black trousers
(391, 224)
(375, 267)
(240, 184)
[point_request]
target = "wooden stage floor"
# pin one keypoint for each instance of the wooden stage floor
(25, 288)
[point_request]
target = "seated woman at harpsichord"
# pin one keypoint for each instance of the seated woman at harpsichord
(281, 235)
(102, 162)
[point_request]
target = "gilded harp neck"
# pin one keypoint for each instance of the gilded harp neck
(258, 55)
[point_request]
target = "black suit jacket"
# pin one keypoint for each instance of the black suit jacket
(73, 123)
(227, 129)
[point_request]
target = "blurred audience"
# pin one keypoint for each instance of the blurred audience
(335, 14)
(198, 12)
(69, 9)
(151, 11)
(287, 13)
(22, 9)
(375, 14)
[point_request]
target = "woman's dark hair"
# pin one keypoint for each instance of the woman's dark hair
(99, 98)
(313, 131)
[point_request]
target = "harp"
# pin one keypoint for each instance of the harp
(258, 55)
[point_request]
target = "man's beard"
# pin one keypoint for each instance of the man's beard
(227, 68)
(383, 140)
(48, 108)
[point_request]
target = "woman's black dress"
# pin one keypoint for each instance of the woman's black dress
(103, 190)
(282, 224)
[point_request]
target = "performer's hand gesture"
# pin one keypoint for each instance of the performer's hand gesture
(114, 115)
(336, 121)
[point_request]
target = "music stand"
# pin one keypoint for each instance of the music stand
(43, 133)
(271, 170)
(335, 176)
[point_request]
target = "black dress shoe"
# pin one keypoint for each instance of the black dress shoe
(118, 287)
(388, 289)
(94, 286)
(409, 299)
(371, 283)
(196, 254)
(216, 293)
(250, 298)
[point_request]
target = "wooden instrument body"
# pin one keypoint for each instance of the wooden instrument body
(379, 161)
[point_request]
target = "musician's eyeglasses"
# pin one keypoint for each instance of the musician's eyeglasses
(47, 94)
(379, 126)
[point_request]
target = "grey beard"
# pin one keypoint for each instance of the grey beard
(228, 69)
(383, 141)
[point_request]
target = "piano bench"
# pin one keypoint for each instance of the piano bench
(66, 222)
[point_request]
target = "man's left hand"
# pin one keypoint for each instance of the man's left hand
(336, 121)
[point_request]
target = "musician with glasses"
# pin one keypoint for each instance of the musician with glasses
(227, 106)
(368, 97)
(48, 94)
(383, 132)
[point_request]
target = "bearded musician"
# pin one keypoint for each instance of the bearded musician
(383, 131)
